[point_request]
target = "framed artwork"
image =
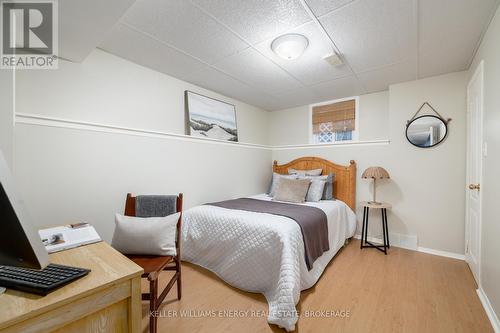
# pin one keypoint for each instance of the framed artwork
(210, 118)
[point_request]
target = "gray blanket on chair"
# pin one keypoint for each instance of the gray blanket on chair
(155, 205)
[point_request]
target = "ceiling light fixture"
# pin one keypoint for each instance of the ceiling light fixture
(289, 46)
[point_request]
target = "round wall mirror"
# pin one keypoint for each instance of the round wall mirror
(426, 131)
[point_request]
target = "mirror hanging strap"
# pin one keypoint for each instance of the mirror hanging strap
(430, 106)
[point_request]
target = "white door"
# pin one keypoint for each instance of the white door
(474, 172)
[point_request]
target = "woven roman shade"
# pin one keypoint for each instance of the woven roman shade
(341, 115)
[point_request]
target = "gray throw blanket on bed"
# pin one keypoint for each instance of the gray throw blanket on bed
(312, 221)
(155, 205)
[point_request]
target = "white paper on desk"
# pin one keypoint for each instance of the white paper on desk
(66, 237)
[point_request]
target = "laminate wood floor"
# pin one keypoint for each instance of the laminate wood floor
(363, 290)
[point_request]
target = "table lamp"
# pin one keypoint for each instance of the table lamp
(375, 173)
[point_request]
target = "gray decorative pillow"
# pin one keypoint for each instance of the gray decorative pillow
(275, 180)
(145, 235)
(315, 192)
(292, 190)
(328, 191)
(328, 188)
(315, 172)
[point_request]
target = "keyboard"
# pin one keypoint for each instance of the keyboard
(40, 282)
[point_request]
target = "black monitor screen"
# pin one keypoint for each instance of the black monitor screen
(15, 249)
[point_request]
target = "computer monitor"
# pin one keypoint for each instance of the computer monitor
(20, 244)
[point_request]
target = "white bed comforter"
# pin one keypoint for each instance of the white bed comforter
(262, 253)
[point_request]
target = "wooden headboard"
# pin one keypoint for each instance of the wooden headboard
(344, 185)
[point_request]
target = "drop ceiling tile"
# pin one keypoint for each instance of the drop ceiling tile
(449, 32)
(339, 88)
(78, 38)
(212, 79)
(184, 26)
(377, 37)
(373, 33)
(310, 68)
(380, 79)
(437, 63)
(321, 7)
(149, 52)
(257, 20)
(256, 70)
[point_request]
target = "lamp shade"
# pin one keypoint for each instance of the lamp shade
(375, 173)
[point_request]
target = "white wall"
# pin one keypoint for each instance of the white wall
(73, 175)
(427, 185)
(80, 174)
(490, 187)
(6, 113)
(432, 181)
(291, 126)
(107, 89)
(374, 116)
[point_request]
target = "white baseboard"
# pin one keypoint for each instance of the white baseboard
(442, 253)
(397, 240)
(370, 239)
(489, 310)
(410, 246)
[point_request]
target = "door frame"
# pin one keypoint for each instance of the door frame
(478, 73)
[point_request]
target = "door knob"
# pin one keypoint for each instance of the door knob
(474, 187)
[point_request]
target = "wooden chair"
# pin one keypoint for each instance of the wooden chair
(154, 265)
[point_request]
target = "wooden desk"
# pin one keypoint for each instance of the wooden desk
(108, 299)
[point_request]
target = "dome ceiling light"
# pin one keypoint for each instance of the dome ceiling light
(289, 46)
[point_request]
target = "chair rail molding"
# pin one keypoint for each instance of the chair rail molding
(40, 120)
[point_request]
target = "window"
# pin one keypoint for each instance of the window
(335, 121)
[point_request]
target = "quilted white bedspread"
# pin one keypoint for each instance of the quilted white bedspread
(262, 253)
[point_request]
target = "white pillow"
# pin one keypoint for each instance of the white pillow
(149, 236)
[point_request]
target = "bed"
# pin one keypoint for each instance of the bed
(264, 253)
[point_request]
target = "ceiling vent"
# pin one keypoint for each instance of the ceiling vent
(334, 59)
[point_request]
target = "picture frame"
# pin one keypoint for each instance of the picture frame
(209, 117)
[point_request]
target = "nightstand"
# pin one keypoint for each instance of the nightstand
(385, 229)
